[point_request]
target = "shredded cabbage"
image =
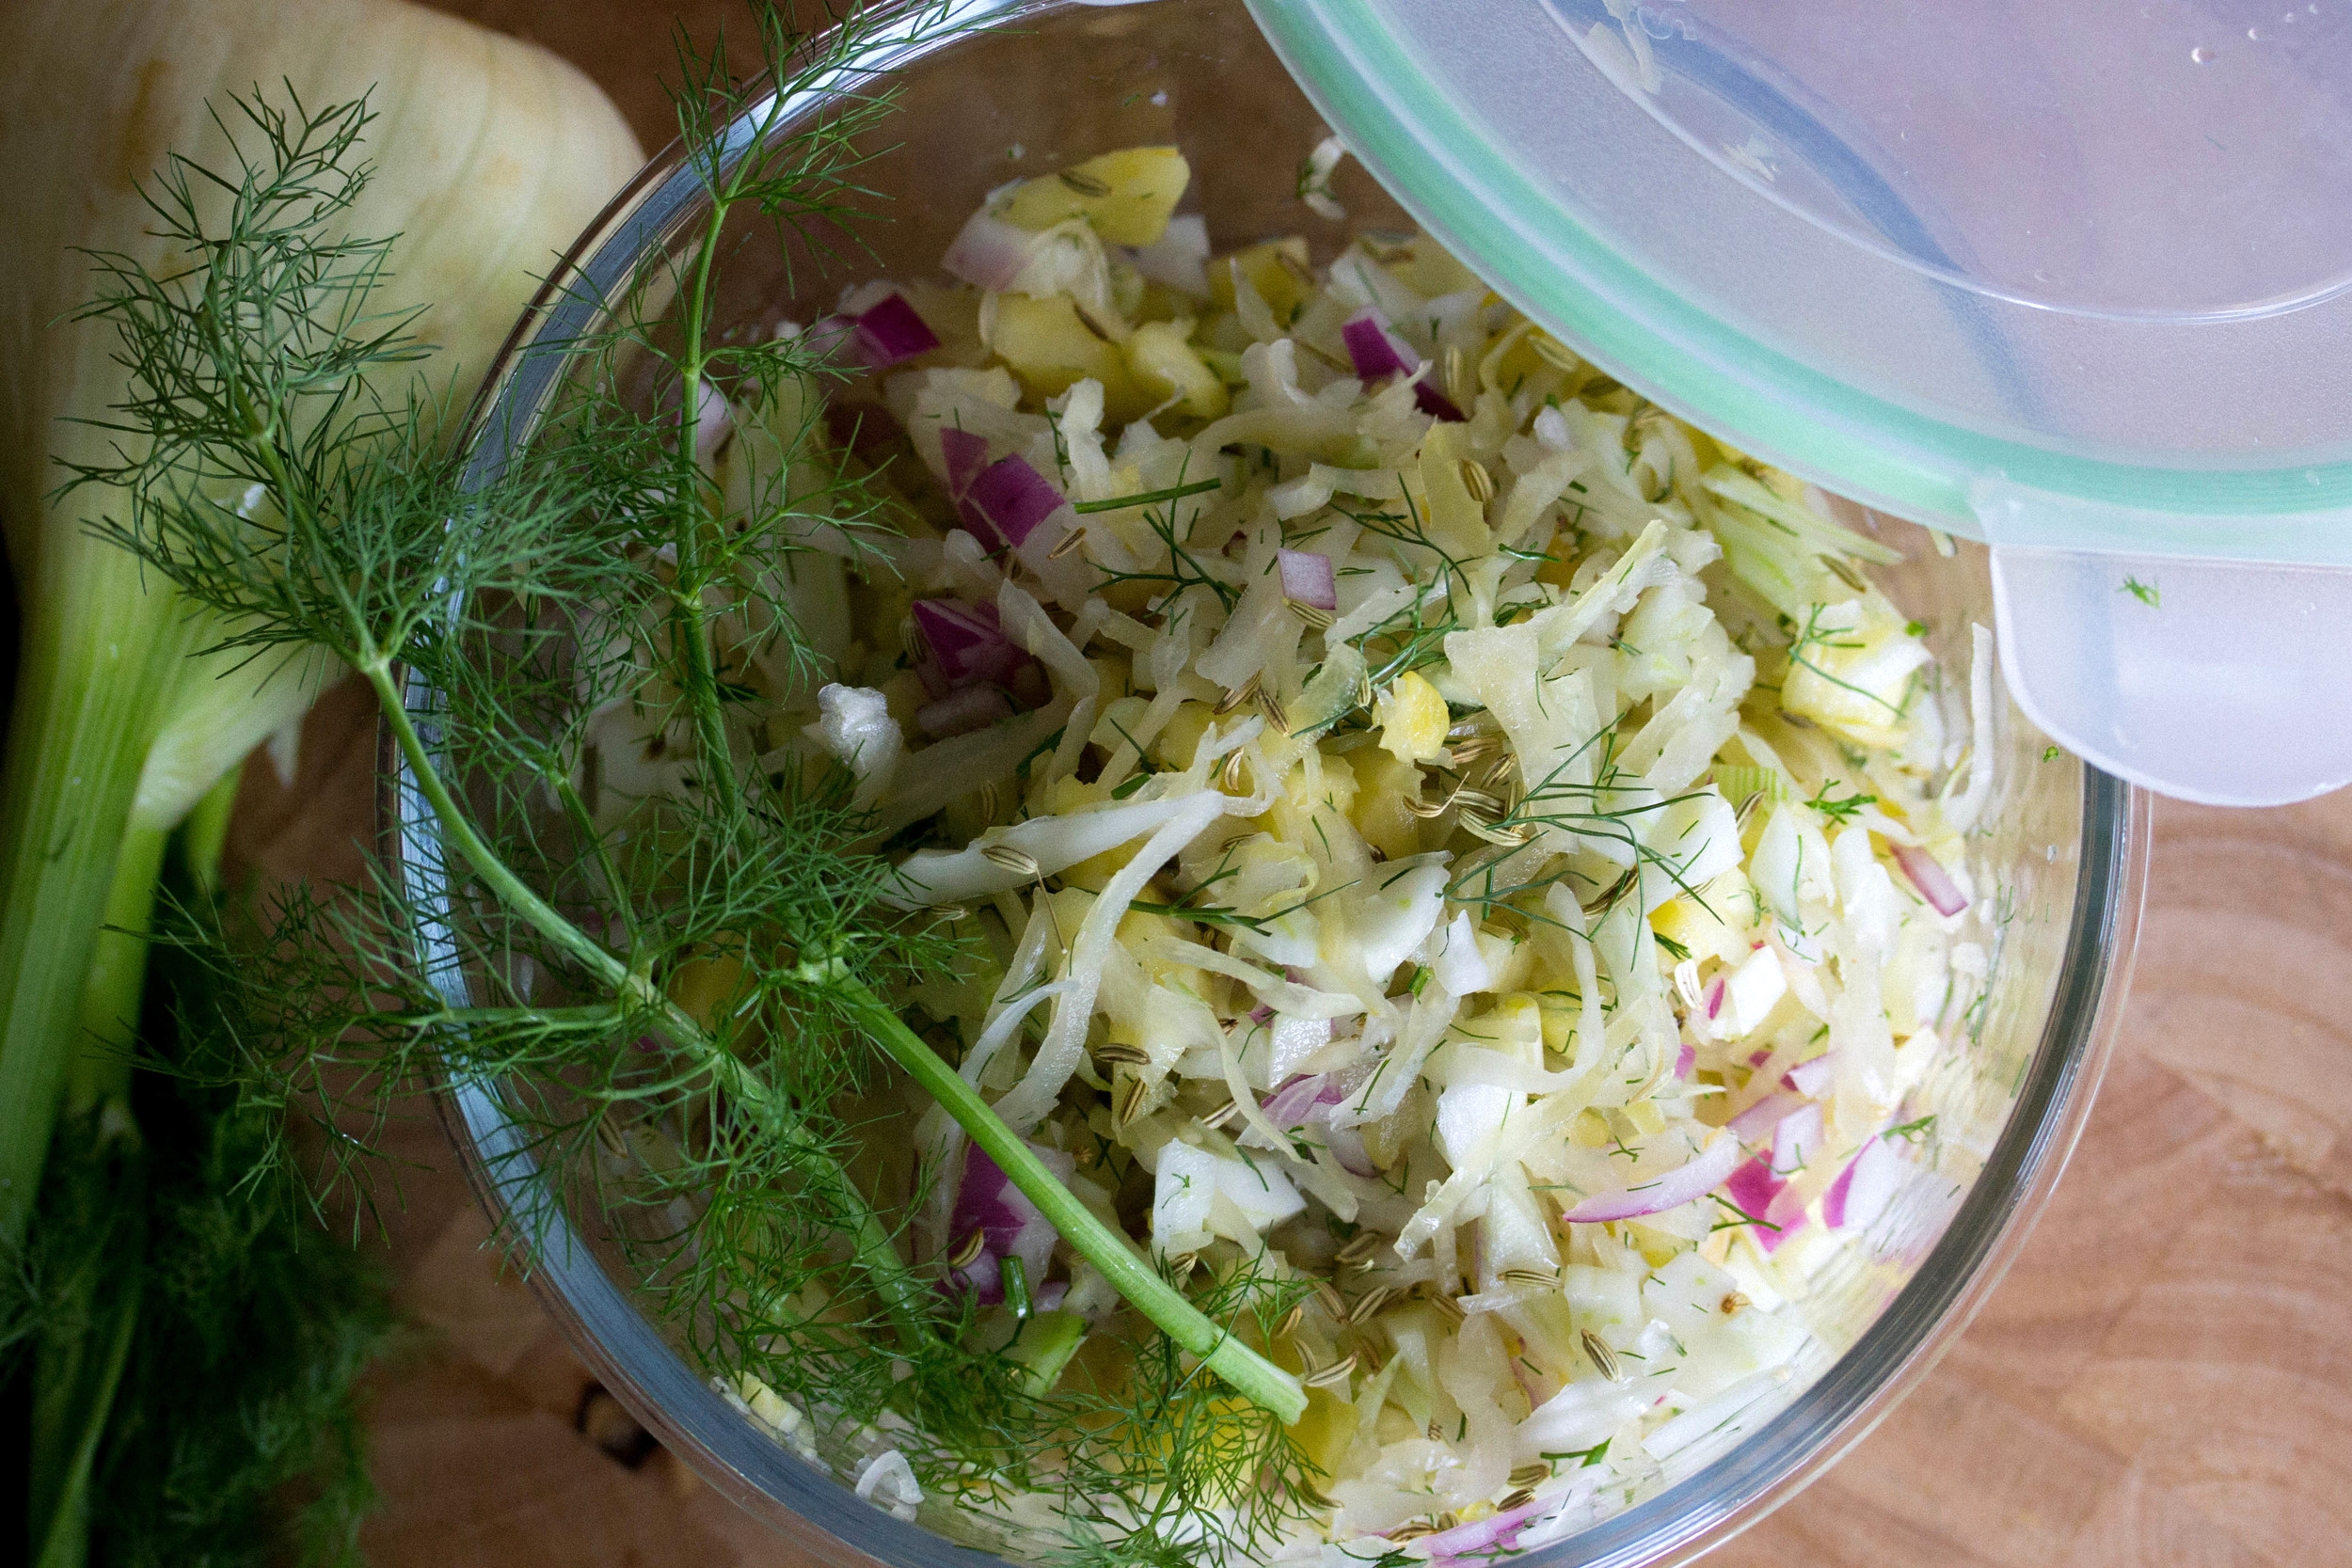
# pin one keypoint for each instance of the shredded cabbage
(1373, 937)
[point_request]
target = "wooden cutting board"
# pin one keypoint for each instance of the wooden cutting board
(2164, 1380)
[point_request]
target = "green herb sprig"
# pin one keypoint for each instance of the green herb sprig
(533, 936)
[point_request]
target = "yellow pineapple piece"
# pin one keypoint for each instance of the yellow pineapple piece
(1127, 196)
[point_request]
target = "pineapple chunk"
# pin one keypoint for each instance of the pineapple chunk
(1276, 269)
(1127, 196)
(1715, 923)
(1413, 720)
(1166, 367)
(1383, 785)
(1851, 669)
(1051, 348)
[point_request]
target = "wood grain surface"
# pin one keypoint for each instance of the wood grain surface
(2164, 1380)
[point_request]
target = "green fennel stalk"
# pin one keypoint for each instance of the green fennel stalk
(368, 550)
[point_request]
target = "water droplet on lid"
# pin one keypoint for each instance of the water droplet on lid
(2201, 54)
(2255, 34)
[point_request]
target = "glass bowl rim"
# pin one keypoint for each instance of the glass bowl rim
(680, 1408)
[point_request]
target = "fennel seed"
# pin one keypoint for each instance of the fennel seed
(1533, 1473)
(1127, 1100)
(1328, 1299)
(1437, 1434)
(1229, 777)
(1271, 706)
(1604, 1359)
(1519, 1498)
(1531, 1278)
(1448, 1308)
(1480, 827)
(1418, 1528)
(1368, 1305)
(1477, 481)
(1337, 1372)
(1552, 352)
(1069, 540)
(1457, 385)
(1236, 696)
(1733, 1302)
(1291, 1320)
(969, 1252)
(1359, 1247)
(1477, 801)
(1318, 618)
(1084, 185)
(1844, 572)
(1221, 1116)
(1117, 1053)
(1019, 861)
(1181, 1265)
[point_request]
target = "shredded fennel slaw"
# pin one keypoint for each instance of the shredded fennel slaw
(1426, 822)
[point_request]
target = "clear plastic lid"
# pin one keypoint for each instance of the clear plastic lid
(2071, 279)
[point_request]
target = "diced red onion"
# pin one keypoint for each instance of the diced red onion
(1685, 1060)
(1753, 1187)
(1928, 875)
(1762, 1117)
(1863, 1190)
(1798, 1136)
(1298, 1100)
(1375, 354)
(1052, 1296)
(968, 641)
(1702, 1175)
(975, 707)
(1483, 1538)
(966, 454)
(890, 332)
(1014, 498)
(1811, 1078)
(1261, 1015)
(1346, 1145)
(988, 253)
(1010, 1225)
(1714, 998)
(1307, 580)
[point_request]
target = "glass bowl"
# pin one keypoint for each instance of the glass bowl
(2064, 845)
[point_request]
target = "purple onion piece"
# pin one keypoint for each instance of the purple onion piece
(1374, 354)
(1346, 1145)
(1813, 1077)
(1798, 1136)
(891, 333)
(1014, 498)
(1762, 1117)
(1702, 1175)
(966, 453)
(1928, 875)
(1685, 1060)
(1010, 1225)
(1753, 1187)
(988, 253)
(968, 641)
(1291, 1104)
(1309, 579)
(1483, 1538)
